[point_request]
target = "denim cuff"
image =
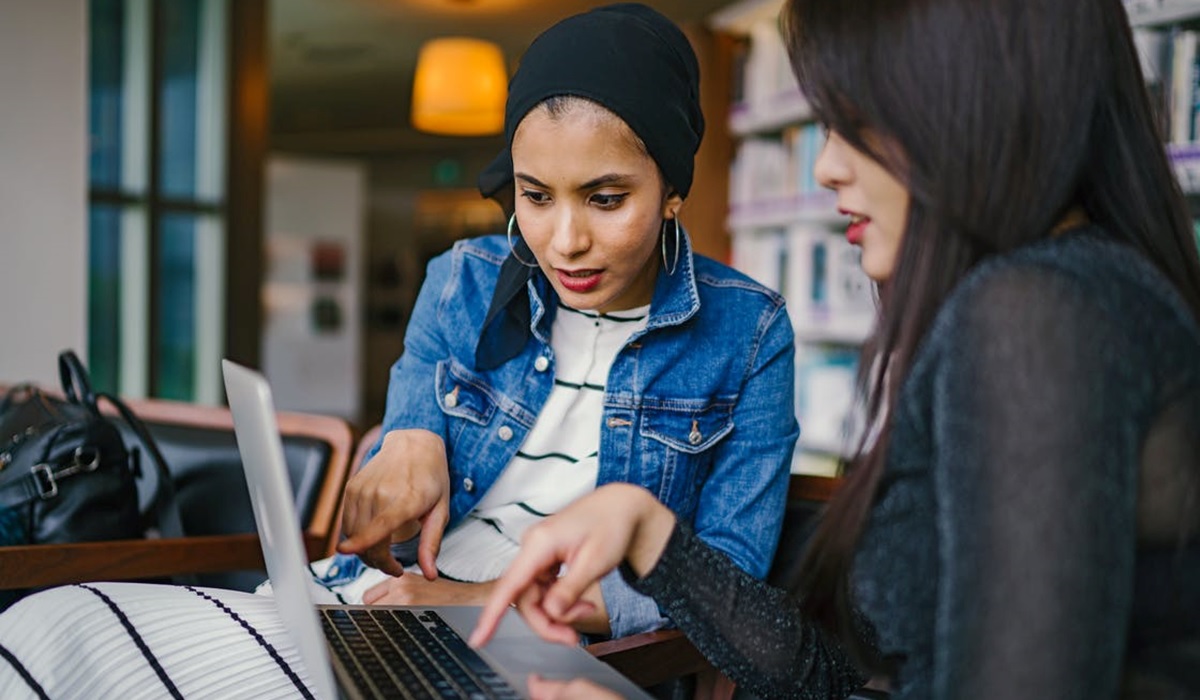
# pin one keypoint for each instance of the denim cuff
(629, 612)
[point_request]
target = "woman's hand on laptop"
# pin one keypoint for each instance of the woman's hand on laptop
(579, 689)
(405, 486)
(415, 590)
(584, 541)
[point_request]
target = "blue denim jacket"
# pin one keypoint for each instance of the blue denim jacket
(698, 406)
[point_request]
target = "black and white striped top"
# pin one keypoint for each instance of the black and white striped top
(559, 459)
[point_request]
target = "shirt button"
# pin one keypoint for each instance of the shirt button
(541, 363)
(451, 399)
(504, 433)
(468, 485)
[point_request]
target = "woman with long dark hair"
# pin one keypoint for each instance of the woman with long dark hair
(1020, 520)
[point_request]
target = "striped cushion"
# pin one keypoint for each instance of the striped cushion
(129, 640)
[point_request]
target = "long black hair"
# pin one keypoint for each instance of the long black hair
(1000, 116)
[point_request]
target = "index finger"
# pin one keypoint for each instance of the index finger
(380, 556)
(378, 529)
(433, 526)
(521, 575)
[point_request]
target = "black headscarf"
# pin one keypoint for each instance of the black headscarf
(636, 63)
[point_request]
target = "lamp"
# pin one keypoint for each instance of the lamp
(460, 87)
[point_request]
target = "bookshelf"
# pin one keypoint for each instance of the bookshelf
(776, 112)
(818, 208)
(1167, 34)
(786, 232)
(1161, 13)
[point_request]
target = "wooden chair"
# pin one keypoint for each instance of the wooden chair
(652, 659)
(807, 496)
(220, 546)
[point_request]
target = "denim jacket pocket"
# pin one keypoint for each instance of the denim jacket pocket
(690, 426)
(462, 394)
(685, 431)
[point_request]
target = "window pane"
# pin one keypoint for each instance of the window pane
(192, 99)
(117, 95)
(190, 307)
(176, 307)
(104, 107)
(104, 297)
(117, 298)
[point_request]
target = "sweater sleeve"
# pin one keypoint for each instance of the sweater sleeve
(1039, 399)
(749, 630)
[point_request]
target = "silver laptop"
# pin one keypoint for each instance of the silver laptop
(402, 642)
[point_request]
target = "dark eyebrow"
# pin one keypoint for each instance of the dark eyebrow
(531, 180)
(609, 179)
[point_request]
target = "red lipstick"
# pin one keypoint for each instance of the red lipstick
(854, 232)
(858, 224)
(578, 281)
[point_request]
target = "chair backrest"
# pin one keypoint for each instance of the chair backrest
(807, 496)
(200, 450)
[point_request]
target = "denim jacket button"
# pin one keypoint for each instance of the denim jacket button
(468, 485)
(541, 363)
(451, 399)
(504, 433)
(695, 437)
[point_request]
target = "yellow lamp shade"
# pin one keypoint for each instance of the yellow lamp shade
(460, 87)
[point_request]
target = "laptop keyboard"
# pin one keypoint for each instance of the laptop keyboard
(396, 654)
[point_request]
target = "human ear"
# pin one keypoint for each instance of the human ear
(671, 205)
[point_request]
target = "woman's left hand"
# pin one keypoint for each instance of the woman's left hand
(417, 590)
(578, 689)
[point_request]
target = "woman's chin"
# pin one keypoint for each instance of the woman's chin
(879, 270)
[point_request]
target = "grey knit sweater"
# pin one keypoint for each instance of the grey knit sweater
(1031, 535)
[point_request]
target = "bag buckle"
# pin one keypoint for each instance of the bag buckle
(85, 459)
(45, 481)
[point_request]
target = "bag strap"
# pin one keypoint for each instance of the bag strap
(42, 479)
(165, 505)
(75, 382)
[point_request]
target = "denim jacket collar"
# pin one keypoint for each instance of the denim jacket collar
(675, 297)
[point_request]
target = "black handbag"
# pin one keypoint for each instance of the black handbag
(66, 474)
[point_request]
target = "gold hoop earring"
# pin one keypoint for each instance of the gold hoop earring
(670, 269)
(512, 224)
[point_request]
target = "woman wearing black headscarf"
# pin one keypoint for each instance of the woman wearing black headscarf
(586, 346)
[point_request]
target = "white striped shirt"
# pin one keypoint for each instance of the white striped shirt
(559, 459)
